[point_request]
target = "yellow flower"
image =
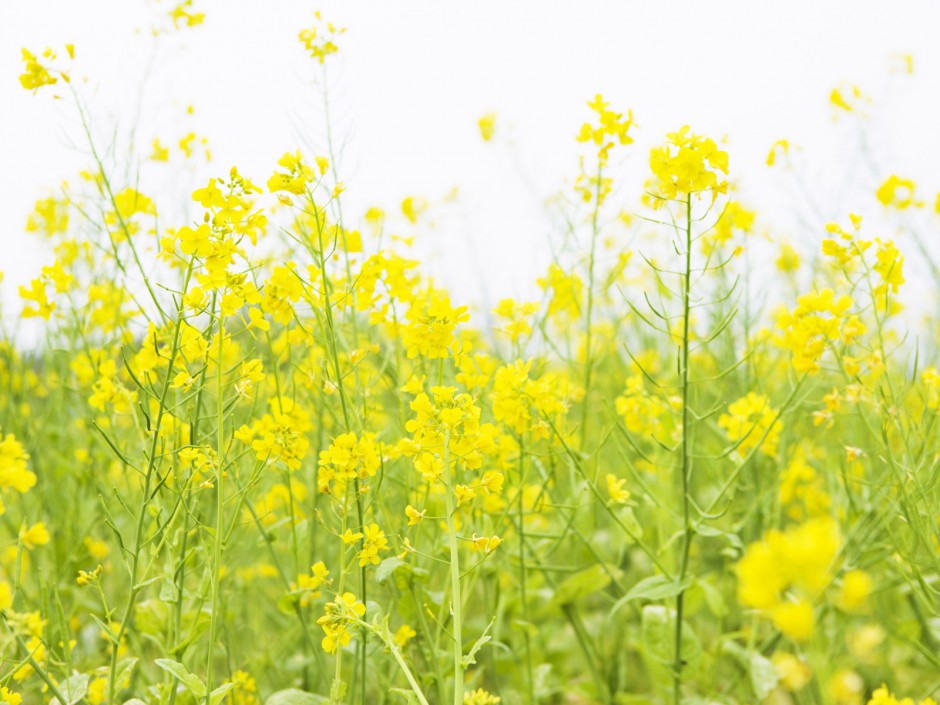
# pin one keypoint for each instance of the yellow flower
(487, 125)
(404, 634)
(36, 535)
(35, 75)
(414, 516)
(856, 587)
(795, 619)
(750, 422)
(615, 489)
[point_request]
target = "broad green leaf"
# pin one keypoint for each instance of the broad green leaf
(764, 676)
(387, 567)
(192, 682)
(581, 584)
(658, 630)
(73, 689)
(292, 696)
(215, 697)
(655, 587)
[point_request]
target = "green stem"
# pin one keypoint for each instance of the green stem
(219, 507)
(456, 605)
(685, 466)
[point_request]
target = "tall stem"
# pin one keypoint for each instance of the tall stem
(219, 507)
(456, 604)
(685, 463)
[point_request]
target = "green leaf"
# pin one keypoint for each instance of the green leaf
(292, 696)
(192, 682)
(408, 695)
(655, 587)
(580, 585)
(387, 567)
(658, 633)
(215, 697)
(764, 676)
(73, 689)
(470, 659)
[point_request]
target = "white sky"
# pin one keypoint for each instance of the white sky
(413, 77)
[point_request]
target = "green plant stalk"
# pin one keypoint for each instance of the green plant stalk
(530, 681)
(456, 605)
(685, 462)
(588, 357)
(151, 463)
(219, 509)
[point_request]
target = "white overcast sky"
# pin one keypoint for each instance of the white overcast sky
(413, 77)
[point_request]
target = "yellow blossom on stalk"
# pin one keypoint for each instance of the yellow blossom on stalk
(8, 697)
(783, 572)
(484, 544)
(339, 615)
(487, 125)
(567, 293)
(279, 435)
(802, 493)
(640, 411)
(788, 260)
(35, 535)
(689, 164)
(36, 75)
(182, 14)
(14, 473)
(856, 587)
(480, 697)
(50, 217)
(373, 541)
(616, 491)
(780, 148)
(611, 127)
(320, 40)
(404, 634)
(414, 516)
(517, 317)
(295, 179)
(847, 98)
(751, 421)
(896, 192)
(348, 459)
(819, 319)
(36, 293)
(429, 325)
(882, 696)
(734, 219)
(412, 207)
(310, 583)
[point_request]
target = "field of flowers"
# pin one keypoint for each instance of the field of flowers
(258, 455)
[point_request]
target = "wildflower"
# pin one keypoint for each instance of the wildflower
(896, 192)
(480, 697)
(35, 75)
(752, 422)
(856, 587)
(404, 634)
(414, 516)
(340, 614)
(35, 535)
(373, 542)
(487, 125)
(615, 489)
(295, 178)
(689, 164)
(320, 40)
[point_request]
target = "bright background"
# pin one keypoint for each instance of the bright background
(412, 78)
